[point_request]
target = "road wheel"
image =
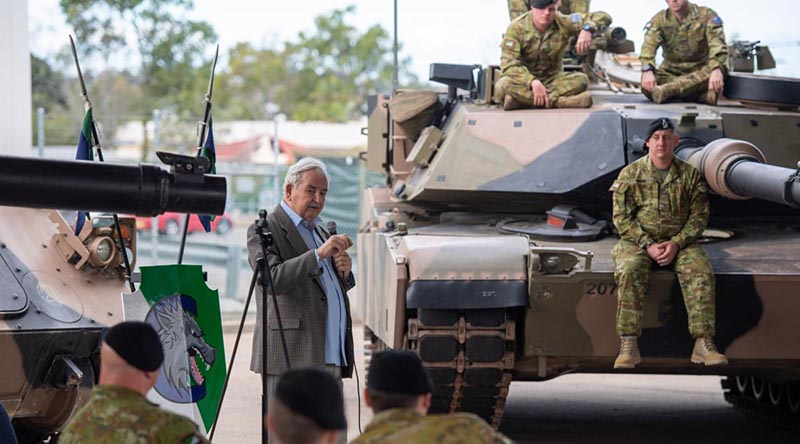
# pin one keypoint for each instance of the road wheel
(775, 390)
(793, 397)
(758, 385)
(172, 228)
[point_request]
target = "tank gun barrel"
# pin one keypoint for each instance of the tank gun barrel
(143, 190)
(738, 170)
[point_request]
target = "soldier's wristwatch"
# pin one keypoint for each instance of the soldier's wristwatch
(647, 67)
(588, 27)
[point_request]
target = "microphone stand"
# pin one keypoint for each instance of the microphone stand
(265, 280)
(262, 274)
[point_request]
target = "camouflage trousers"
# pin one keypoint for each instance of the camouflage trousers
(561, 84)
(696, 279)
(687, 86)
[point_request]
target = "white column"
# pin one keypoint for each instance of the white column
(15, 79)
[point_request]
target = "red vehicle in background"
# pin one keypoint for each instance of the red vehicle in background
(171, 224)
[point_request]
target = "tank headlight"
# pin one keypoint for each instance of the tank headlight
(101, 251)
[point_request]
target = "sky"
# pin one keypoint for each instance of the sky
(447, 31)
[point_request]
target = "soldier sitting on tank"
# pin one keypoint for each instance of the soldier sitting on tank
(399, 393)
(307, 408)
(660, 211)
(695, 54)
(518, 7)
(532, 51)
(118, 412)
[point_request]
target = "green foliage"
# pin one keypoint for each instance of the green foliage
(325, 75)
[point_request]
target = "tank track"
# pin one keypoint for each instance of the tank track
(776, 403)
(469, 355)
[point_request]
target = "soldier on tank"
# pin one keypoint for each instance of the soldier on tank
(518, 7)
(660, 211)
(532, 51)
(130, 357)
(399, 393)
(695, 54)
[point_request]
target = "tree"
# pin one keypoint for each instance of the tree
(164, 49)
(325, 75)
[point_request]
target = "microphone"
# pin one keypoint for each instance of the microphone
(331, 227)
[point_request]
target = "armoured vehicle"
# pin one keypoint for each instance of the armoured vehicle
(489, 250)
(61, 290)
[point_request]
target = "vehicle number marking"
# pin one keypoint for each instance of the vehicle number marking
(601, 288)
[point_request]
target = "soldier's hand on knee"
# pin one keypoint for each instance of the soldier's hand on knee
(540, 94)
(668, 254)
(583, 42)
(648, 80)
(716, 81)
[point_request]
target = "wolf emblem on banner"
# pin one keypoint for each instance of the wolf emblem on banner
(175, 300)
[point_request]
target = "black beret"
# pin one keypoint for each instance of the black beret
(315, 394)
(137, 343)
(398, 371)
(662, 123)
(541, 4)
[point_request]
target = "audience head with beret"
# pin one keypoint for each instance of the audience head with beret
(398, 380)
(307, 408)
(130, 356)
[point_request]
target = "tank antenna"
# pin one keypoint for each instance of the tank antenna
(87, 104)
(395, 81)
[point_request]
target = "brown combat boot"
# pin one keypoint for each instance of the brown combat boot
(582, 100)
(708, 97)
(662, 93)
(510, 103)
(628, 353)
(705, 352)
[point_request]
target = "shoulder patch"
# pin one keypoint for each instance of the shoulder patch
(615, 186)
(648, 25)
(716, 20)
(508, 43)
(576, 18)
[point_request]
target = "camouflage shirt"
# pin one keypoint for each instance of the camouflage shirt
(120, 415)
(648, 209)
(396, 426)
(696, 43)
(529, 54)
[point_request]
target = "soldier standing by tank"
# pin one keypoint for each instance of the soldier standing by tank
(532, 51)
(399, 393)
(695, 54)
(518, 7)
(118, 412)
(660, 211)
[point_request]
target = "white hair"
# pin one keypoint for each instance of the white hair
(305, 164)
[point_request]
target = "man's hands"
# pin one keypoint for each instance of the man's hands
(663, 253)
(648, 80)
(583, 42)
(540, 98)
(336, 246)
(716, 82)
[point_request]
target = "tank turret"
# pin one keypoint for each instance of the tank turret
(503, 269)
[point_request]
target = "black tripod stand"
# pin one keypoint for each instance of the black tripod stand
(262, 275)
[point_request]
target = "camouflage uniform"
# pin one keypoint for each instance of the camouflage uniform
(395, 426)
(518, 7)
(529, 55)
(120, 415)
(650, 209)
(692, 49)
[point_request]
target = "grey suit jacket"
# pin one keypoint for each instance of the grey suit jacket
(301, 300)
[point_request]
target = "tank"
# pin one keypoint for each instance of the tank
(61, 290)
(488, 252)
